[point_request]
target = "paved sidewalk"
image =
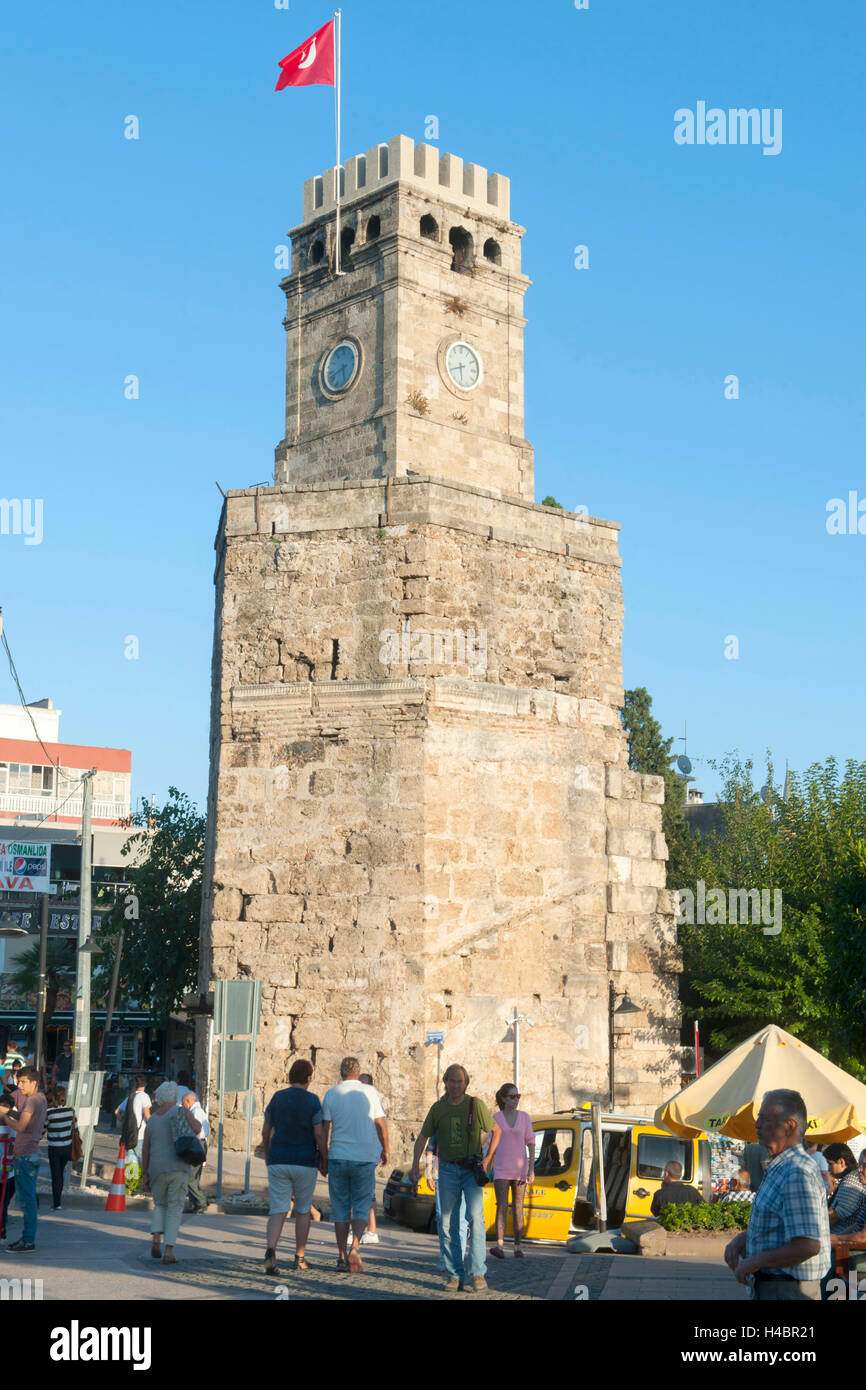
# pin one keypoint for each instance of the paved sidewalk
(97, 1255)
(90, 1254)
(638, 1278)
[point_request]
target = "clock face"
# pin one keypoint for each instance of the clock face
(463, 366)
(341, 366)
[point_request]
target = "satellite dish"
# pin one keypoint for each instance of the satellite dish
(684, 764)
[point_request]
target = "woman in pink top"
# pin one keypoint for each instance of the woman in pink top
(513, 1166)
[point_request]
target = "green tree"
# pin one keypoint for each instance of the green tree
(808, 845)
(60, 972)
(847, 963)
(650, 752)
(160, 913)
(552, 502)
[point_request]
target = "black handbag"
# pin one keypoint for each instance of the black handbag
(188, 1148)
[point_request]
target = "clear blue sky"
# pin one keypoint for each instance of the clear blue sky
(155, 257)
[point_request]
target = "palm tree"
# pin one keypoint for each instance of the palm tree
(60, 973)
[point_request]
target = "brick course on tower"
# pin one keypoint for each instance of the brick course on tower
(421, 814)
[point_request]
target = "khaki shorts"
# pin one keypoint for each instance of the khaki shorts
(288, 1180)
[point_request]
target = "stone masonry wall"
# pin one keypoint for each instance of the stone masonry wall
(398, 845)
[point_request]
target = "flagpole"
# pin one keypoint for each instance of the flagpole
(338, 18)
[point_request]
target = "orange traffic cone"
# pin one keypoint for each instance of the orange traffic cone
(116, 1199)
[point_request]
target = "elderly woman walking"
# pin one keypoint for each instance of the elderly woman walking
(163, 1172)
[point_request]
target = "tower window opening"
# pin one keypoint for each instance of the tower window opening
(347, 240)
(493, 251)
(374, 227)
(463, 247)
(317, 252)
(429, 227)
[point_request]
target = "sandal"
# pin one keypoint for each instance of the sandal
(518, 1253)
(342, 1266)
(355, 1265)
(300, 1263)
(169, 1260)
(155, 1251)
(498, 1252)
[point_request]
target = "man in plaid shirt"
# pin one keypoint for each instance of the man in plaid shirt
(787, 1245)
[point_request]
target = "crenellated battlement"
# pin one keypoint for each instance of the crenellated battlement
(421, 166)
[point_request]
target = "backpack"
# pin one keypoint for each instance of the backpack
(129, 1132)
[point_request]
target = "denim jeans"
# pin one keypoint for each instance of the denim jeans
(351, 1188)
(459, 1230)
(456, 1183)
(25, 1190)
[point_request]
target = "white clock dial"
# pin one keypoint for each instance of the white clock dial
(341, 366)
(463, 365)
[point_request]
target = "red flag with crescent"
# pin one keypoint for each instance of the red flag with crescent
(311, 63)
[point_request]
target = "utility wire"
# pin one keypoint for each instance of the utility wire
(29, 713)
(24, 704)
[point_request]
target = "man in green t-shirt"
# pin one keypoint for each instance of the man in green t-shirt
(460, 1146)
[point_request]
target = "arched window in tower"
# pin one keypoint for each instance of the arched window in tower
(493, 251)
(429, 228)
(347, 241)
(317, 253)
(374, 227)
(464, 251)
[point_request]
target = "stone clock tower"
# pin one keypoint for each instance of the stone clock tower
(426, 325)
(420, 814)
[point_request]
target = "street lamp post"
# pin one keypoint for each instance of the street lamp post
(624, 1007)
(514, 1024)
(39, 1051)
(82, 982)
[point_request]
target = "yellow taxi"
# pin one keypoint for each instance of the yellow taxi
(560, 1203)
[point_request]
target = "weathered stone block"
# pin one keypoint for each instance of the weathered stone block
(273, 907)
(654, 789)
(228, 904)
(621, 868)
(617, 955)
(648, 873)
(660, 846)
(630, 899)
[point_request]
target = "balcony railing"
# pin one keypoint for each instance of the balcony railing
(37, 807)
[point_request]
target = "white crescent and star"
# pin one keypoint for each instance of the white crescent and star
(308, 57)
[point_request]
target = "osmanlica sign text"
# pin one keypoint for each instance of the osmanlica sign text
(25, 866)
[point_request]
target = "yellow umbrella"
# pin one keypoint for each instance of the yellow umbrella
(726, 1099)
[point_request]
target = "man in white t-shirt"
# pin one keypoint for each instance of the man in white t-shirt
(356, 1139)
(141, 1111)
